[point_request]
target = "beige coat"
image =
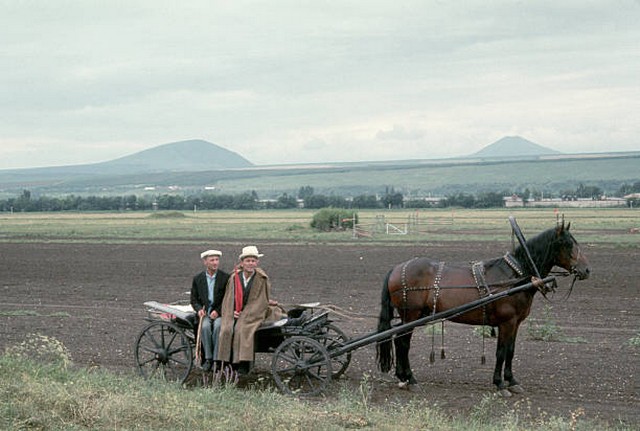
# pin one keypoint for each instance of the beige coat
(240, 340)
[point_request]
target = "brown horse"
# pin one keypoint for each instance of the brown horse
(421, 286)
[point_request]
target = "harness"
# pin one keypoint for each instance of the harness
(477, 270)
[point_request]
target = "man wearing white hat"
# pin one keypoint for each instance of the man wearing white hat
(207, 291)
(244, 308)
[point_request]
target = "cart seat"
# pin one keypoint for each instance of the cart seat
(182, 313)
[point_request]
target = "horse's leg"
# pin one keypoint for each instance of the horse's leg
(504, 356)
(403, 369)
(504, 331)
(512, 383)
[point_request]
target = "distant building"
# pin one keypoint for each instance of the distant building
(515, 201)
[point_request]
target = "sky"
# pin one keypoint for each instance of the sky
(296, 81)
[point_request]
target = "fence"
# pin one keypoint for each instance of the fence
(413, 225)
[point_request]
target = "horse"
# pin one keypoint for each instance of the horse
(421, 286)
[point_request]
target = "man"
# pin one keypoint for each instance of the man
(207, 291)
(244, 307)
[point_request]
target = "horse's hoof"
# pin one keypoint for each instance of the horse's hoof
(504, 393)
(407, 386)
(516, 389)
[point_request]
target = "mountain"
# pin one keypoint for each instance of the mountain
(513, 146)
(183, 156)
(192, 155)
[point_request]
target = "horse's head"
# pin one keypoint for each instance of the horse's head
(569, 254)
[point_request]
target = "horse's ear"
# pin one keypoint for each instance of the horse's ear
(560, 226)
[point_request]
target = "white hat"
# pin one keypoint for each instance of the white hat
(210, 253)
(250, 250)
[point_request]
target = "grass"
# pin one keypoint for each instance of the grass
(33, 313)
(546, 329)
(45, 391)
(635, 340)
(591, 226)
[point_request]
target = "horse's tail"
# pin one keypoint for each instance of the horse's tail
(384, 352)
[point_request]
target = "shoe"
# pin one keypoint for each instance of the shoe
(298, 321)
(244, 368)
(206, 367)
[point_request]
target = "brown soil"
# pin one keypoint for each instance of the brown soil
(90, 297)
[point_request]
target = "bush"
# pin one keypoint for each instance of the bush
(328, 219)
(635, 340)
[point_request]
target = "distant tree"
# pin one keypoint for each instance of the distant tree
(245, 201)
(460, 200)
(588, 191)
(489, 200)
(626, 189)
(366, 201)
(316, 201)
(286, 201)
(304, 192)
(337, 202)
(392, 200)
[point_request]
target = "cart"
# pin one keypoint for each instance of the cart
(301, 347)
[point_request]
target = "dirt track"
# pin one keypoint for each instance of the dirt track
(103, 287)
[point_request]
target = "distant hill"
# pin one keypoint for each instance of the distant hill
(514, 146)
(192, 155)
(183, 156)
(196, 166)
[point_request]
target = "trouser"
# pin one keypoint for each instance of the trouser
(209, 337)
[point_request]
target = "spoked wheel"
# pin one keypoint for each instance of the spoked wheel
(332, 339)
(163, 351)
(301, 366)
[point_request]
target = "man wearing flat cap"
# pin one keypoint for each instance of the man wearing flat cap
(207, 292)
(244, 307)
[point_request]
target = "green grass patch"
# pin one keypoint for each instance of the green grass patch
(40, 390)
(635, 340)
(167, 214)
(546, 329)
(19, 313)
(32, 313)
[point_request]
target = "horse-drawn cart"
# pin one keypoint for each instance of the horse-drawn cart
(308, 355)
(301, 347)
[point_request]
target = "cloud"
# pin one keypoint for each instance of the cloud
(305, 81)
(399, 133)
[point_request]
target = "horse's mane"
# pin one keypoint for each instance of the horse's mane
(539, 248)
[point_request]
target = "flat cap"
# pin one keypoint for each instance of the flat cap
(210, 253)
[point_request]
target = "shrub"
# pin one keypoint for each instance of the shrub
(328, 219)
(635, 340)
(42, 349)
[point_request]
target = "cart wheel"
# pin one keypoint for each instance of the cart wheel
(163, 351)
(333, 338)
(301, 366)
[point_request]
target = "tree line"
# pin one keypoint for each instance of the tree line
(306, 197)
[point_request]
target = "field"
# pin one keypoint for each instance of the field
(83, 279)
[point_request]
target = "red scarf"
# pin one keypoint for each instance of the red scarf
(238, 291)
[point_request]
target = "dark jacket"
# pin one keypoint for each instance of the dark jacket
(200, 291)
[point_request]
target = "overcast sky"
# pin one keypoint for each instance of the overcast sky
(313, 81)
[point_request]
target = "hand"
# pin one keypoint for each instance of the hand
(201, 312)
(236, 314)
(213, 315)
(273, 302)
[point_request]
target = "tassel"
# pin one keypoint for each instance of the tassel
(432, 357)
(483, 360)
(442, 355)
